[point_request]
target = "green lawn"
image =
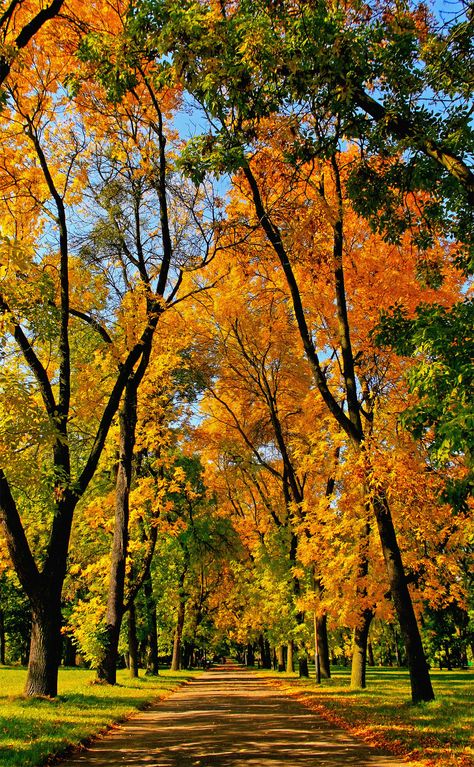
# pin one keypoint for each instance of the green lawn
(33, 729)
(439, 733)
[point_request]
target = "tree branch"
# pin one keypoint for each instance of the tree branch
(17, 543)
(28, 31)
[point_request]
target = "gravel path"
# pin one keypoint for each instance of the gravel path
(229, 718)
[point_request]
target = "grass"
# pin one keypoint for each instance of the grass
(438, 733)
(33, 730)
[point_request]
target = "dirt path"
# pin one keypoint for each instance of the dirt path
(229, 718)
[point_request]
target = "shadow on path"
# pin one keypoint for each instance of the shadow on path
(229, 718)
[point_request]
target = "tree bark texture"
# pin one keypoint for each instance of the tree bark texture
(45, 647)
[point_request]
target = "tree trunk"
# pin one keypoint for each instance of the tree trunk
(323, 646)
(370, 654)
(303, 670)
(152, 633)
(69, 652)
(176, 660)
(265, 651)
(421, 688)
(188, 655)
(250, 655)
(268, 654)
(107, 668)
(290, 662)
(132, 641)
(359, 651)
(45, 647)
(280, 658)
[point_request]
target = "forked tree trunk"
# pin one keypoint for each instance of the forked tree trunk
(267, 654)
(359, 651)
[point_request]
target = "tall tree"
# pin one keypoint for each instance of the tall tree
(52, 183)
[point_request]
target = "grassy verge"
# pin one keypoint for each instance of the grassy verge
(33, 730)
(438, 733)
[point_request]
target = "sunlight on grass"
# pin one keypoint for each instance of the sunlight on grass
(31, 729)
(439, 732)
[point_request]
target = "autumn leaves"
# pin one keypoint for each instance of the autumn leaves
(201, 375)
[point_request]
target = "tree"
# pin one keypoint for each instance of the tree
(268, 216)
(48, 191)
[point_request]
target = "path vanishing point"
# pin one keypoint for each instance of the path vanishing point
(229, 717)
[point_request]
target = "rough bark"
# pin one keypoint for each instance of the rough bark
(45, 647)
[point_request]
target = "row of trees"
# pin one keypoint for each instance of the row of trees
(235, 300)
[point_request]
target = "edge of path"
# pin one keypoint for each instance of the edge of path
(366, 732)
(89, 740)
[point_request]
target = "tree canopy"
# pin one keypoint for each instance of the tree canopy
(235, 317)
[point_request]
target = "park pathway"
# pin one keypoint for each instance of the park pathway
(229, 717)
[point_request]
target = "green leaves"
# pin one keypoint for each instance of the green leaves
(442, 342)
(210, 155)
